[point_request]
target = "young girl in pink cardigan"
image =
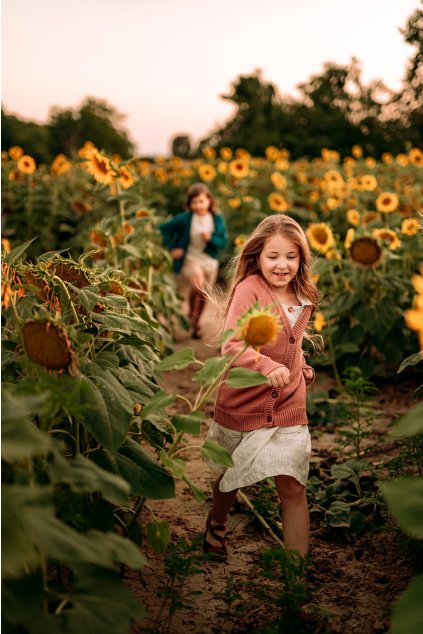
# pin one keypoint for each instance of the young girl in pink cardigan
(265, 427)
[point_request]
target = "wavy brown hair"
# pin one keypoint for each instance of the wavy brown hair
(195, 190)
(246, 262)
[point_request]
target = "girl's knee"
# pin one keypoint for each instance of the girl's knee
(289, 489)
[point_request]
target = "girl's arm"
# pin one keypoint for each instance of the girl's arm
(242, 301)
(168, 228)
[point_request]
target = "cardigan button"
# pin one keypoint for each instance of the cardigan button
(292, 340)
(274, 394)
(290, 309)
(269, 419)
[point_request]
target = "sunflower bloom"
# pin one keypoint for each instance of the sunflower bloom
(366, 252)
(368, 182)
(387, 202)
(278, 180)
(277, 202)
(370, 161)
(282, 164)
(239, 241)
(209, 153)
(225, 153)
(125, 177)
(410, 226)
(416, 156)
(98, 165)
(259, 327)
(357, 151)
(389, 236)
(349, 238)
(239, 168)
(319, 322)
(353, 217)
(387, 158)
(26, 164)
(207, 172)
(272, 153)
(60, 165)
(320, 236)
(402, 159)
(234, 202)
(87, 150)
(414, 316)
(16, 152)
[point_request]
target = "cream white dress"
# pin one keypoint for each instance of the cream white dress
(267, 452)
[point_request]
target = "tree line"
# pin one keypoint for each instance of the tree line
(334, 110)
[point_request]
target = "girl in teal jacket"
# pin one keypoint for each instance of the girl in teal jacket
(195, 238)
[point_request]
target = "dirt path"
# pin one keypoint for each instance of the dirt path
(353, 580)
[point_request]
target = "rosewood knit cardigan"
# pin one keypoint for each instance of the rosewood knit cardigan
(245, 409)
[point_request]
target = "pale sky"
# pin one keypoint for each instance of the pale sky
(165, 63)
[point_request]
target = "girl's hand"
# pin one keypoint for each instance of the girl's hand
(177, 254)
(279, 377)
(206, 236)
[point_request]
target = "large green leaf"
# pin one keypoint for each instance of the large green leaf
(85, 476)
(412, 360)
(122, 323)
(411, 423)
(212, 368)
(338, 514)
(33, 527)
(188, 423)
(132, 462)
(175, 465)
(217, 454)
(16, 253)
(105, 406)
(159, 401)
(405, 501)
(407, 615)
(177, 360)
(158, 535)
(242, 377)
(95, 599)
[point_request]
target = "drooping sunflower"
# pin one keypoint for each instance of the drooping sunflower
(26, 164)
(353, 217)
(239, 168)
(387, 202)
(259, 327)
(68, 272)
(47, 344)
(277, 202)
(207, 172)
(368, 217)
(98, 165)
(366, 252)
(320, 236)
(388, 236)
(410, 226)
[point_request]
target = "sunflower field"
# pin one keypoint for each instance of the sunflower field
(89, 308)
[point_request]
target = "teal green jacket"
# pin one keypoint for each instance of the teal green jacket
(176, 235)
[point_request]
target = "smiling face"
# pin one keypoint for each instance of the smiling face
(279, 262)
(200, 204)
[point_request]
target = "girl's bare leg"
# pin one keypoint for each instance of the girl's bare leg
(222, 504)
(295, 516)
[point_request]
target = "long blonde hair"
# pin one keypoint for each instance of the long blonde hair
(246, 263)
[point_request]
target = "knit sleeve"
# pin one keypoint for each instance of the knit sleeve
(244, 298)
(308, 372)
(219, 237)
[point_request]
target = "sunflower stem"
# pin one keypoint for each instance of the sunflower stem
(61, 283)
(260, 518)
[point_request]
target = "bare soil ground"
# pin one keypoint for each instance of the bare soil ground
(353, 581)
